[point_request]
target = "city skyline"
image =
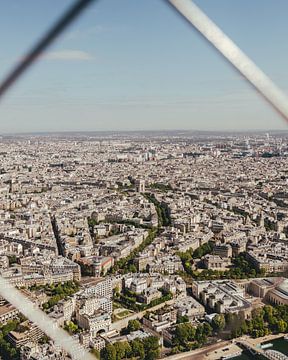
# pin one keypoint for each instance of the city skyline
(157, 241)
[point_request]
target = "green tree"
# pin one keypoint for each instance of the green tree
(203, 250)
(132, 268)
(120, 350)
(207, 329)
(108, 353)
(12, 260)
(137, 349)
(10, 326)
(269, 313)
(71, 327)
(133, 325)
(182, 319)
(128, 349)
(281, 326)
(151, 348)
(184, 333)
(218, 322)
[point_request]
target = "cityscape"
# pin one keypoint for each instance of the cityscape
(143, 183)
(146, 245)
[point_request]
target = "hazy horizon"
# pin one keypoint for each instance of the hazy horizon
(152, 131)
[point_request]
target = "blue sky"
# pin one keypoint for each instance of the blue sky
(135, 64)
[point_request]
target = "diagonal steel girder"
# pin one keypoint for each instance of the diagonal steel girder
(260, 81)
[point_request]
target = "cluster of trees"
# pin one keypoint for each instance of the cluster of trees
(147, 348)
(188, 256)
(166, 296)
(12, 259)
(264, 321)
(203, 250)
(92, 222)
(161, 187)
(270, 225)
(182, 319)
(163, 211)
(133, 325)
(44, 340)
(53, 289)
(86, 269)
(129, 300)
(241, 267)
(122, 186)
(270, 154)
(188, 337)
(133, 223)
(57, 292)
(218, 323)
(126, 265)
(71, 327)
(7, 351)
(239, 211)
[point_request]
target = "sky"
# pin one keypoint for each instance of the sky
(136, 65)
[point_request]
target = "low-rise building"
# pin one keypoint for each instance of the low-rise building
(30, 333)
(222, 250)
(7, 312)
(215, 262)
(188, 306)
(95, 323)
(222, 296)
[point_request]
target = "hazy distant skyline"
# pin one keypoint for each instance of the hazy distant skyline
(136, 65)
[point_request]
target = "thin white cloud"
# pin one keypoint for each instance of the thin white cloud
(68, 55)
